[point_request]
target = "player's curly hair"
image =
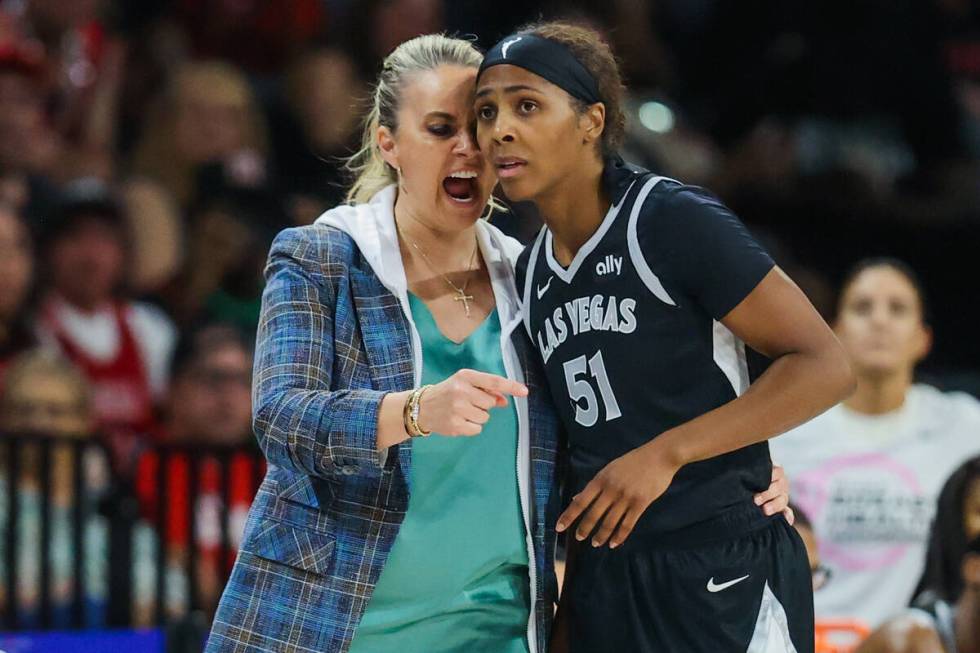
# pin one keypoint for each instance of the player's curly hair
(588, 46)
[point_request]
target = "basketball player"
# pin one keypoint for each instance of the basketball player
(639, 292)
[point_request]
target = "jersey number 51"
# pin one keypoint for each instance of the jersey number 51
(580, 389)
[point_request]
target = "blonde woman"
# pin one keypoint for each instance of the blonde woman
(405, 290)
(207, 114)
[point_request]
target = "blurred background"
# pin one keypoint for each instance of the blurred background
(149, 152)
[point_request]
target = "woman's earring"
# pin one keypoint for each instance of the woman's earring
(401, 186)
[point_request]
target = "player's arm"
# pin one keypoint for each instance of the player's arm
(809, 374)
(731, 277)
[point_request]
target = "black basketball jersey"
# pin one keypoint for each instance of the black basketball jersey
(631, 339)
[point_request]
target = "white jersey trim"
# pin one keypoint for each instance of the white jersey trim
(586, 249)
(636, 254)
(729, 355)
(771, 634)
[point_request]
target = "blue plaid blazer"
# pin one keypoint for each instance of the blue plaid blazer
(331, 342)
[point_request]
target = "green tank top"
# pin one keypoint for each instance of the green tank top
(457, 576)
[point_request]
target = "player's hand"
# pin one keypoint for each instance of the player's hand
(776, 497)
(461, 404)
(615, 499)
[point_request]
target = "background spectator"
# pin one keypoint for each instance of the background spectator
(210, 396)
(946, 616)
(45, 395)
(315, 128)
(81, 76)
(123, 347)
(231, 229)
(157, 236)
(957, 523)
(868, 471)
(207, 114)
(209, 413)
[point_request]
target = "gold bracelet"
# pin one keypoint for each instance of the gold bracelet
(410, 414)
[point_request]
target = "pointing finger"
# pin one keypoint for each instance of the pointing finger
(495, 383)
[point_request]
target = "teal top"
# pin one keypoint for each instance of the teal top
(457, 576)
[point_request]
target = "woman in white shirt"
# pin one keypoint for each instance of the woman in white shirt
(868, 471)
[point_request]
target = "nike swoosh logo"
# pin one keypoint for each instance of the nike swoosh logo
(506, 46)
(543, 289)
(723, 586)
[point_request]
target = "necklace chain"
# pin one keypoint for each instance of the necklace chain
(461, 295)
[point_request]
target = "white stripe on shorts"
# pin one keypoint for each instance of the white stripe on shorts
(771, 633)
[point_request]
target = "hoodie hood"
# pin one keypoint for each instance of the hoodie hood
(372, 227)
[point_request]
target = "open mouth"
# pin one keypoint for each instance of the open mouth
(461, 186)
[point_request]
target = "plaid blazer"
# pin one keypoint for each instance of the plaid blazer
(331, 342)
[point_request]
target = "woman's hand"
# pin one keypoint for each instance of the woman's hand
(461, 404)
(776, 497)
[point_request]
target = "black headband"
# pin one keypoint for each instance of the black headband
(545, 58)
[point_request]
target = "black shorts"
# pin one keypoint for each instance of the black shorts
(693, 593)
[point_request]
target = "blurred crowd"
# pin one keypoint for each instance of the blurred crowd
(150, 151)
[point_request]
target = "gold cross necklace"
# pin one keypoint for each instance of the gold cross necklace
(460, 295)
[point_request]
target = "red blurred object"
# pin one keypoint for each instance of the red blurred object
(121, 391)
(839, 635)
(22, 56)
(241, 485)
(259, 35)
(963, 58)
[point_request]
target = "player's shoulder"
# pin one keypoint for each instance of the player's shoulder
(669, 201)
(659, 196)
(934, 396)
(673, 216)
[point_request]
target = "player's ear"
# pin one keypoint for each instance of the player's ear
(593, 122)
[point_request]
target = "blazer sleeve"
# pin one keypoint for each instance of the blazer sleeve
(301, 421)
